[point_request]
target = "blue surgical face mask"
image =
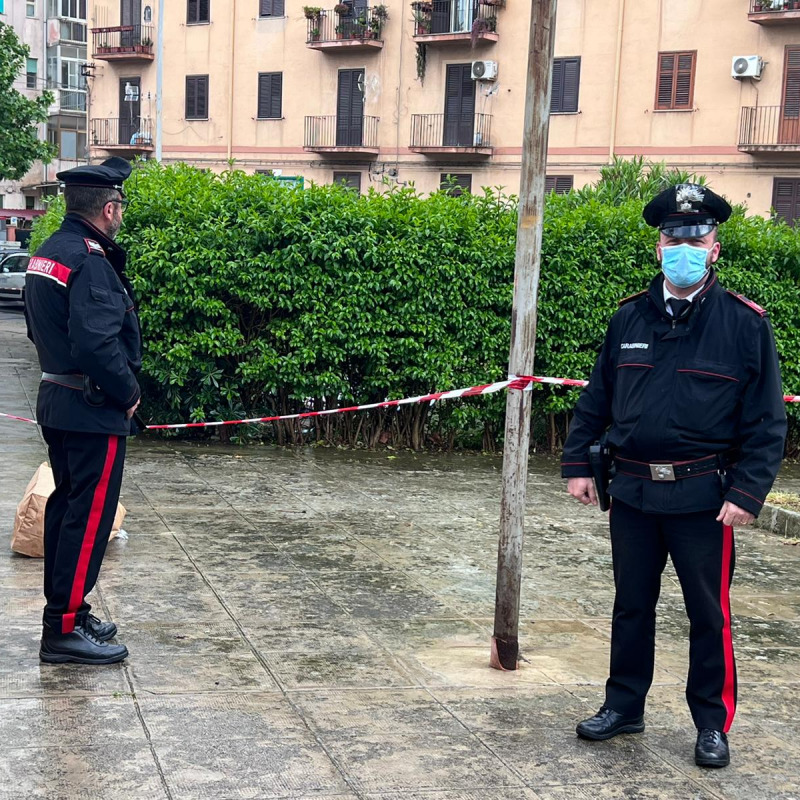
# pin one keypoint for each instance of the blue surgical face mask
(684, 265)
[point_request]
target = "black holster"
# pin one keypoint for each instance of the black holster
(601, 462)
(92, 393)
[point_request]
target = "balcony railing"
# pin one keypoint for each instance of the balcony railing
(123, 42)
(770, 129)
(456, 20)
(358, 27)
(341, 134)
(451, 133)
(129, 134)
(774, 12)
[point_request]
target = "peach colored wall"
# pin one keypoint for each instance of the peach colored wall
(703, 139)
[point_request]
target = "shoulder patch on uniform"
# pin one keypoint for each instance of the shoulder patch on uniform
(94, 247)
(749, 303)
(632, 297)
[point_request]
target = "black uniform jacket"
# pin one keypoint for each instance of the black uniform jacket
(678, 390)
(81, 316)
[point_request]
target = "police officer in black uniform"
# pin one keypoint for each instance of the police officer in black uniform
(81, 317)
(687, 389)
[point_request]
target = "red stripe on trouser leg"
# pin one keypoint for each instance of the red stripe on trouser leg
(67, 623)
(89, 536)
(728, 691)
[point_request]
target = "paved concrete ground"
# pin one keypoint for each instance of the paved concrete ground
(317, 624)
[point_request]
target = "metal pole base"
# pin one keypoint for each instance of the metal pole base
(505, 654)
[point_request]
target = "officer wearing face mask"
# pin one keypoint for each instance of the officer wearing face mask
(687, 393)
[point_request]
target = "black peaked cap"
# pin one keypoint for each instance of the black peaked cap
(686, 211)
(111, 174)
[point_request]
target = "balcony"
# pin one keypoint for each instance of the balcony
(70, 101)
(443, 134)
(774, 12)
(355, 29)
(122, 136)
(456, 21)
(332, 134)
(123, 43)
(770, 129)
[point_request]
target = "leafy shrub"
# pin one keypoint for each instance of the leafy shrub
(257, 298)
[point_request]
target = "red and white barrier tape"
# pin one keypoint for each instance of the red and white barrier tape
(522, 382)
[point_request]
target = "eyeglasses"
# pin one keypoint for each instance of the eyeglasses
(123, 202)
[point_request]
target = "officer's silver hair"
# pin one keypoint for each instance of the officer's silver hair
(88, 201)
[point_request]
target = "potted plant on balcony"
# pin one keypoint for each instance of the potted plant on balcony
(422, 19)
(342, 8)
(312, 12)
(375, 26)
(313, 35)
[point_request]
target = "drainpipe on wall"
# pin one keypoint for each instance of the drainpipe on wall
(230, 88)
(617, 71)
(159, 79)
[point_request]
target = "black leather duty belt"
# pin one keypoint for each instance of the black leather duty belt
(71, 381)
(667, 471)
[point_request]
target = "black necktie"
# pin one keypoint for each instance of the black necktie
(679, 307)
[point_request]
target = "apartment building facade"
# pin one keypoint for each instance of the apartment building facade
(55, 32)
(409, 92)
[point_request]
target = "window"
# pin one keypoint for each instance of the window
(786, 199)
(2, 7)
(197, 12)
(31, 72)
(30, 9)
(456, 184)
(197, 97)
(271, 8)
(675, 87)
(71, 9)
(30, 202)
(566, 78)
(352, 180)
(270, 88)
(560, 184)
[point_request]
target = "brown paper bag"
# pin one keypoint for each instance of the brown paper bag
(28, 535)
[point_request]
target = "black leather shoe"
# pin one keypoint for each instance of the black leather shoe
(711, 749)
(101, 630)
(607, 723)
(79, 647)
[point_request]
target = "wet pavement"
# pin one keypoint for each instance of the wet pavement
(316, 624)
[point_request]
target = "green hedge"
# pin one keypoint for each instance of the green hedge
(256, 298)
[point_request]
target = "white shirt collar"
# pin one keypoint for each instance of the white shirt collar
(669, 296)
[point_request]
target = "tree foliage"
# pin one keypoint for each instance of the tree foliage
(20, 145)
(261, 299)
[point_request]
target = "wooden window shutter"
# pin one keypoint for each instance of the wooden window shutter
(197, 11)
(558, 85)
(197, 97)
(272, 8)
(791, 84)
(572, 74)
(560, 184)
(270, 95)
(684, 80)
(675, 85)
(785, 199)
(566, 80)
(191, 98)
(456, 183)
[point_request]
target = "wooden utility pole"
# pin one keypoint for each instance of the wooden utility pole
(505, 642)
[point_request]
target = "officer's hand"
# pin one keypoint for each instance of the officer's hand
(731, 514)
(582, 489)
(130, 412)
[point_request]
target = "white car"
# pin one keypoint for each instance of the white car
(12, 276)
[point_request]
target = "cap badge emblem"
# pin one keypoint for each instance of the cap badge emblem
(686, 196)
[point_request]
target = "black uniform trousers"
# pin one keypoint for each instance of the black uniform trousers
(87, 468)
(702, 551)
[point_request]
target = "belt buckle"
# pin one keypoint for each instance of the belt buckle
(662, 472)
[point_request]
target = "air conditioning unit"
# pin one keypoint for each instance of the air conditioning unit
(747, 67)
(484, 70)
